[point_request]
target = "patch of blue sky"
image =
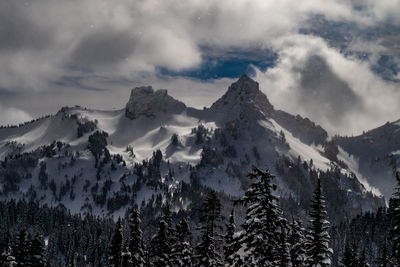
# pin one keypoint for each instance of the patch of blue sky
(228, 65)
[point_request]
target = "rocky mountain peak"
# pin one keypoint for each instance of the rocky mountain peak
(245, 83)
(146, 102)
(243, 96)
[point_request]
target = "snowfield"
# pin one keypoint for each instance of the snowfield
(215, 147)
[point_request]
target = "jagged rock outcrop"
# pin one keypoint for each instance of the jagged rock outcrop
(147, 103)
(243, 101)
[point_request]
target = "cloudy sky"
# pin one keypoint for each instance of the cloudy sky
(334, 61)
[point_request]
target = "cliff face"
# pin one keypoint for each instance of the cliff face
(145, 102)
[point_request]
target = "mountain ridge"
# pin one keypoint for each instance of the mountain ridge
(211, 148)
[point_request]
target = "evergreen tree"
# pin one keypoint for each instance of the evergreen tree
(135, 249)
(72, 260)
(114, 257)
(263, 222)
(318, 250)
(36, 252)
(161, 246)
(350, 258)
(347, 256)
(7, 258)
(126, 258)
(296, 240)
(167, 218)
(283, 253)
(231, 243)
(147, 258)
(182, 251)
(362, 260)
(207, 251)
(395, 214)
(384, 259)
(21, 249)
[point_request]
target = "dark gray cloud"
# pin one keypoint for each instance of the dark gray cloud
(19, 31)
(322, 91)
(103, 47)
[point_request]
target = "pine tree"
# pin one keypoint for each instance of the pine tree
(72, 260)
(231, 243)
(36, 252)
(7, 258)
(263, 222)
(362, 260)
(350, 258)
(354, 250)
(296, 240)
(161, 246)
(384, 259)
(147, 256)
(318, 250)
(347, 256)
(283, 254)
(207, 251)
(395, 214)
(167, 217)
(182, 252)
(114, 257)
(126, 258)
(21, 249)
(135, 249)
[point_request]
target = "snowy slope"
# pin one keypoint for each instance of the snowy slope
(158, 148)
(377, 155)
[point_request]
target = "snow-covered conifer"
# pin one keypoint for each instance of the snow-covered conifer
(114, 256)
(182, 252)
(263, 222)
(395, 214)
(207, 251)
(231, 243)
(135, 246)
(296, 240)
(318, 249)
(161, 246)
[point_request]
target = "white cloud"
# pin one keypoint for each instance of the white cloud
(13, 116)
(340, 93)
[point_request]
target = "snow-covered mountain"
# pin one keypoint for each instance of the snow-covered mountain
(157, 148)
(375, 155)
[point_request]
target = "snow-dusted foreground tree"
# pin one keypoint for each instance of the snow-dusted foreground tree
(182, 252)
(395, 214)
(263, 225)
(317, 244)
(262, 238)
(296, 241)
(208, 250)
(135, 246)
